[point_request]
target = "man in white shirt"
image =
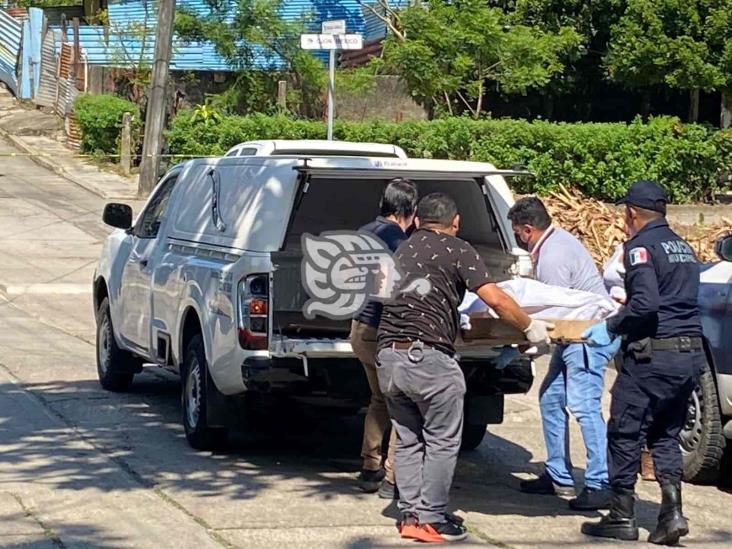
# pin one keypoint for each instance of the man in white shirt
(575, 381)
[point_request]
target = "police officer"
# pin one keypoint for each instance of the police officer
(662, 356)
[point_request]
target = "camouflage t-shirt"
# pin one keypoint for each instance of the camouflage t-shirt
(451, 266)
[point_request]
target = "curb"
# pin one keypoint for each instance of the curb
(50, 288)
(40, 159)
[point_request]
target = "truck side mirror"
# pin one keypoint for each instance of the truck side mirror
(723, 247)
(117, 215)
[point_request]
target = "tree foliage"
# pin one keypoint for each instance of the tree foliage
(683, 44)
(663, 42)
(601, 160)
(252, 36)
(452, 53)
(100, 119)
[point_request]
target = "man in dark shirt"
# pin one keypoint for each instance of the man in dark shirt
(417, 369)
(398, 203)
(662, 356)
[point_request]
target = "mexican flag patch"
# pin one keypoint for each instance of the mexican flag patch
(638, 256)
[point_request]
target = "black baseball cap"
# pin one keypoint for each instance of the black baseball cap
(647, 195)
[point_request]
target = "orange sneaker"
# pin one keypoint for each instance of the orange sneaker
(440, 532)
(409, 526)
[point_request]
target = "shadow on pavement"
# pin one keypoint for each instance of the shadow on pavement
(140, 432)
(74, 535)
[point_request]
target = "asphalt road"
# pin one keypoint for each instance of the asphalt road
(80, 467)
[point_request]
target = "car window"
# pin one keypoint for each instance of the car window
(249, 151)
(149, 223)
(325, 152)
(233, 152)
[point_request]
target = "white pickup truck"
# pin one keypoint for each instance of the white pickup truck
(206, 282)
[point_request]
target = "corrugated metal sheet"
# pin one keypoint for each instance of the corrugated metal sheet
(121, 44)
(315, 11)
(30, 62)
(46, 95)
(62, 106)
(67, 59)
(356, 58)
(374, 27)
(10, 36)
(73, 132)
(114, 48)
(81, 73)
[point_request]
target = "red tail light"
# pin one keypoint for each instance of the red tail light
(254, 312)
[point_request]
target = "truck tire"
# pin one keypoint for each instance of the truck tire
(472, 436)
(115, 367)
(194, 380)
(701, 439)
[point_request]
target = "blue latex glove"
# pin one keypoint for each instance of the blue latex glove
(597, 335)
(505, 358)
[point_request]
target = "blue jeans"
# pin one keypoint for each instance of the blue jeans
(574, 385)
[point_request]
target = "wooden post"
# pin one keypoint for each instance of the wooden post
(77, 49)
(725, 118)
(152, 144)
(125, 148)
(282, 95)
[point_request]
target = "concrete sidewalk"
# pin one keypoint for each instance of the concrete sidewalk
(39, 136)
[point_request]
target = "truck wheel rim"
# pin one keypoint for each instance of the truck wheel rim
(193, 394)
(103, 347)
(690, 436)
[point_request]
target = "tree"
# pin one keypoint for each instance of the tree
(678, 43)
(592, 21)
(718, 33)
(252, 36)
(130, 46)
(450, 52)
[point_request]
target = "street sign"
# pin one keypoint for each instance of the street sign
(332, 37)
(331, 41)
(334, 27)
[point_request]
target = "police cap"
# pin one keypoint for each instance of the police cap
(647, 195)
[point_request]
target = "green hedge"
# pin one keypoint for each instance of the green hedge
(100, 119)
(601, 160)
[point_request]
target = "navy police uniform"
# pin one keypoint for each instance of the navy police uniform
(662, 355)
(662, 347)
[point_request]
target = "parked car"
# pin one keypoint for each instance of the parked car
(282, 147)
(206, 282)
(708, 427)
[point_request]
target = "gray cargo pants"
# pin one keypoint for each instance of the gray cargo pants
(425, 401)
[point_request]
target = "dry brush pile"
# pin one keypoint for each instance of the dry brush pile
(600, 227)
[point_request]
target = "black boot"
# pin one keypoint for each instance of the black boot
(671, 522)
(620, 522)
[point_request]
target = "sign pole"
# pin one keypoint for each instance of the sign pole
(333, 37)
(331, 93)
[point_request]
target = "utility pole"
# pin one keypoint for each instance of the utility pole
(156, 100)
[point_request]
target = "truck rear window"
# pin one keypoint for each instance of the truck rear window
(296, 152)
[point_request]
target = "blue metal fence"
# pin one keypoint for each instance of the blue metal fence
(30, 71)
(10, 37)
(132, 22)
